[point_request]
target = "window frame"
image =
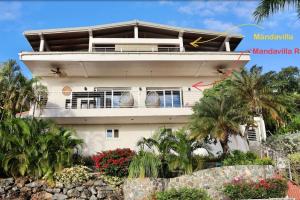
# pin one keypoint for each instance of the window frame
(113, 133)
(164, 90)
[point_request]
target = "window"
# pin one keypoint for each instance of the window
(169, 98)
(112, 133)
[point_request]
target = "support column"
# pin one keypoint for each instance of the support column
(90, 40)
(181, 47)
(136, 32)
(42, 44)
(225, 44)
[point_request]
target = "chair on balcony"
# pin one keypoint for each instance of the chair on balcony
(152, 100)
(126, 100)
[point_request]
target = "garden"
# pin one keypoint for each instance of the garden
(41, 160)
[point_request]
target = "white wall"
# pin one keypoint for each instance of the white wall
(96, 141)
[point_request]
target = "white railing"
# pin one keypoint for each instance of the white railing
(113, 49)
(116, 98)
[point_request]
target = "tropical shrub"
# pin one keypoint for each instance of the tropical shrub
(295, 166)
(183, 194)
(144, 164)
(77, 174)
(175, 151)
(114, 162)
(263, 189)
(286, 144)
(35, 148)
(237, 157)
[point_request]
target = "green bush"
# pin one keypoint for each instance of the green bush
(264, 189)
(36, 148)
(286, 144)
(183, 194)
(237, 157)
(144, 164)
(77, 174)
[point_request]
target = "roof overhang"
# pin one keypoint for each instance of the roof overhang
(95, 64)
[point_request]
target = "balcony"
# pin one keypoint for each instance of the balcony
(122, 105)
(135, 49)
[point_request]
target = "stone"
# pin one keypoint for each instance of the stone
(89, 183)
(59, 196)
(53, 190)
(33, 184)
(8, 181)
(101, 194)
(2, 191)
(73, 193)
(69, 186)
(15, 188)
(25, 189)
(79, 188)
(65, 190)
(20, 182)
(99, 183)
(8, 187)
(93, 190)
(42, 196)
(59, 185)
(85, 194)
(93, 197)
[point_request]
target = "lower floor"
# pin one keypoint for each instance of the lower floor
(103, 137)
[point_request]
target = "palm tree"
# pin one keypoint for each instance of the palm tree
(218, 117)
(17, 92)
(259, 93)
(269, 7)
(159, 143)
(182, 156)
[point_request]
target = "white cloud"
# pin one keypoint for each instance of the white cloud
(10, 10)
(213, 24)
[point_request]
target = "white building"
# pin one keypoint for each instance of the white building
(119, 82)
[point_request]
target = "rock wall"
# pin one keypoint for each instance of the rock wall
(24, 188)
(210, 179)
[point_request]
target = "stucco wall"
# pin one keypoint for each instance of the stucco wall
(210, 179)
(95, 138)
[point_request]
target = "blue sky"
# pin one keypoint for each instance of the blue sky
(16, 17)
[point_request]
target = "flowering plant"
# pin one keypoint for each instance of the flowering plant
(114, 162)
(264, 188)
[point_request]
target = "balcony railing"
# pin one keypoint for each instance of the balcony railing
(113, 49)
(123, 98)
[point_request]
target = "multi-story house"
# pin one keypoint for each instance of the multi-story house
(119, 82)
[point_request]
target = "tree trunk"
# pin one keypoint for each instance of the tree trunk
(224, 144)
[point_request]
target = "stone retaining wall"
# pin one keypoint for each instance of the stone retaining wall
(24, 188)
(209, 179)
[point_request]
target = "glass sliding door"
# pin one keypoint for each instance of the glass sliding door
(169, 98)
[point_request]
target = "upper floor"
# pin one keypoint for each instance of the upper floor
(131, 36)
(133, 48)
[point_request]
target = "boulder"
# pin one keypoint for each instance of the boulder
(59, 197)
(73, 193)
(42, 196)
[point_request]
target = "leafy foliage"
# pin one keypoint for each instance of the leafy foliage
(113, 181)
(36, 148)
(240, 158)
(264, 189)
(218, 117)
(286, 144)
(76, 174)
(114, 162)
(183, 194)
(17, 92)
(144, 164)
(175, 151)
(268, 7)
